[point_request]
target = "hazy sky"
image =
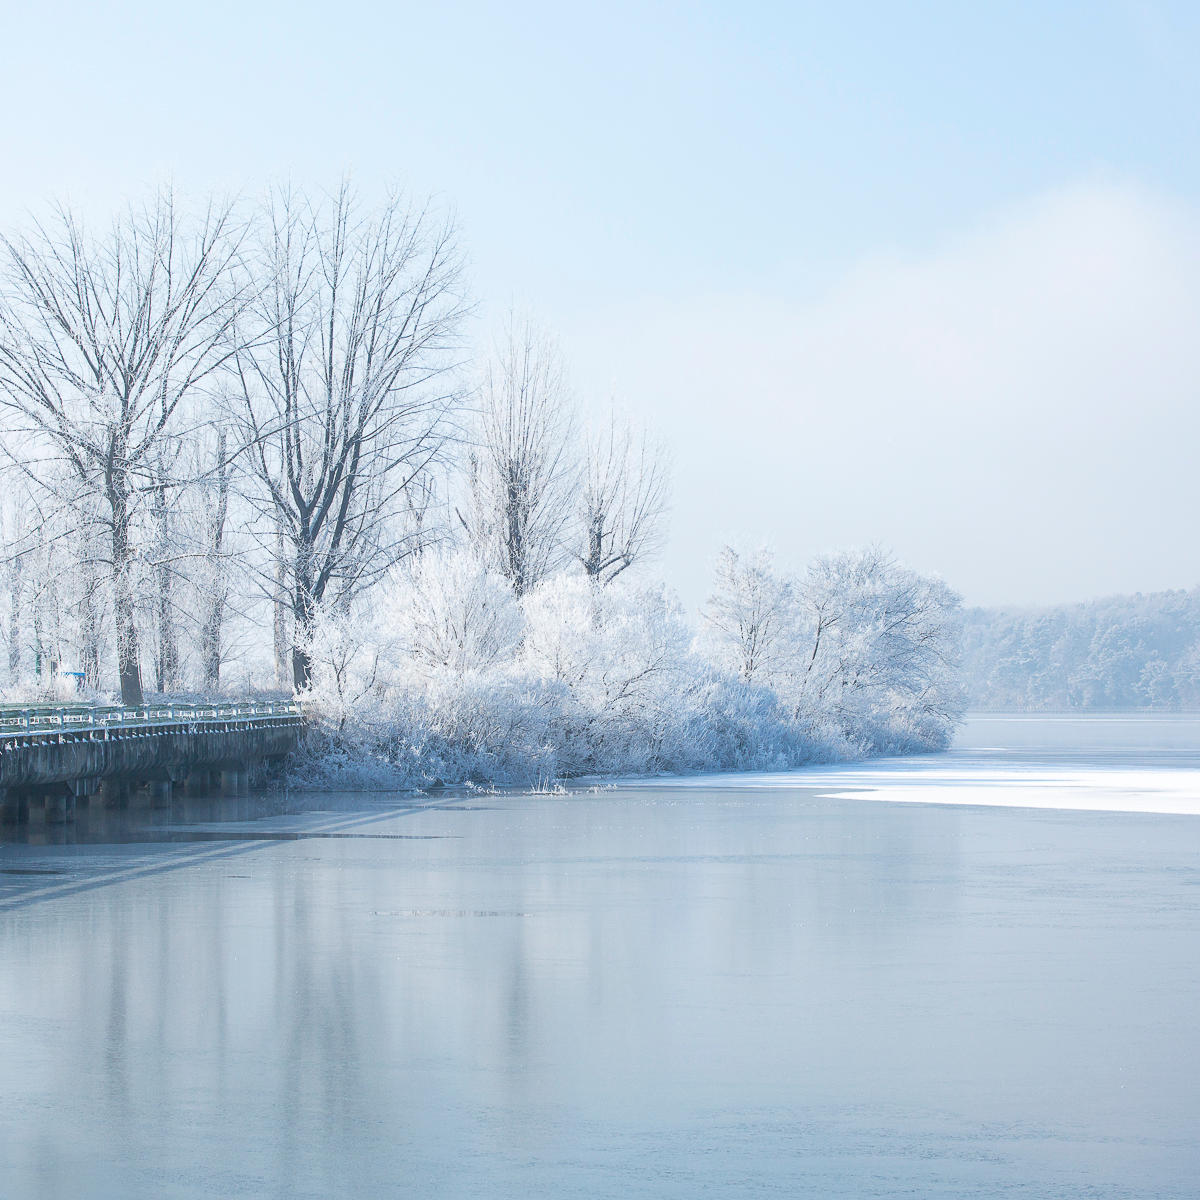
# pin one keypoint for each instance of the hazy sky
(924, 274)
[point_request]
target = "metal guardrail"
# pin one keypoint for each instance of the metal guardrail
(83, 718)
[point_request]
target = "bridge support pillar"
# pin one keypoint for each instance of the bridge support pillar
(10, 806)
(83, 790)
(60, 807)
(197, 783)
(115, 793)
(235, 782)
(160, 793)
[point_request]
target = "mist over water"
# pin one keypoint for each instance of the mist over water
(744, 986)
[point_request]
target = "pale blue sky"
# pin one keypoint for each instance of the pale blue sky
(658, 181)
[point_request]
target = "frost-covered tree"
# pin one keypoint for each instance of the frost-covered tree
(879, 652)
(522, 471)
(621, 654)
(613, 641)
(239, 434)
(1119, 652)
(104, 339)
(623, 499)
(57, 617)
(863, 653)
(750, 615)
(346, 389)
(450, 679)
(343, 649)
(447, 609)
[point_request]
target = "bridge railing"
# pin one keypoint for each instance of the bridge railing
(86, 718)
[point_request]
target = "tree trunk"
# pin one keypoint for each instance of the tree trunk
(281, 618)
(90, 625)
(301, 668)
(128, 670)
(166, 665)
(303, 616)
(210, 643)
(214, 607)
(594, 563)
(515, 550)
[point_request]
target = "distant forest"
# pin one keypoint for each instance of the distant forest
(1122, 652)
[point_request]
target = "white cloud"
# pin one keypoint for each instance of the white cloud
(1016, 409)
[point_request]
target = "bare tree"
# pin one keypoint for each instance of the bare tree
(346, 388)
(522, 472)
(623, 501)
(102, 342)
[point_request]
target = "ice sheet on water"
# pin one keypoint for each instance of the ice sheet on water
(1120, 763)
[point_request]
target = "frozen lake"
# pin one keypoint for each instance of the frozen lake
(742, 986)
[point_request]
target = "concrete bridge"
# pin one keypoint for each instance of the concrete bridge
(71, 755)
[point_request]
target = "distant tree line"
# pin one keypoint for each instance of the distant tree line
(1121, 652)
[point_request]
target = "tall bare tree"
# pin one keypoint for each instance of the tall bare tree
(346, 387)
(523, 472)
(103, 341)
(623, 500)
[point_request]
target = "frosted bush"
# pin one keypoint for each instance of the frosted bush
(448, 678)
(447, 609)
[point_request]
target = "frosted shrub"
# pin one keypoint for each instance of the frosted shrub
(447, 609)
(724, 724)
(621, 654)
(448, 678)
(749, 620)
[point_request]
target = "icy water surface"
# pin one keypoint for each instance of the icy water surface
(741, 987)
